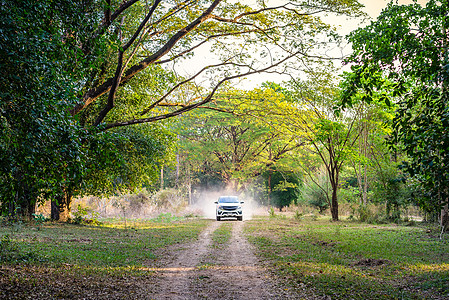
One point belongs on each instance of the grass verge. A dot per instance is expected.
(349, 260)
(66, 261)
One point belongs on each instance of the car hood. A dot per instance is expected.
(229, 204)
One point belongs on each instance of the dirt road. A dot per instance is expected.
(200, 271)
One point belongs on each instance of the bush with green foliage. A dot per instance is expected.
(271, 212)
(315, 196)
(284, 189)
(84, 215)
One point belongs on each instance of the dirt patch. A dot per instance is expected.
(371, 262)
(81, 241)
(177, 267)
(325, 243)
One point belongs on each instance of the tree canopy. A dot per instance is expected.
(402, 58)
(79, 73)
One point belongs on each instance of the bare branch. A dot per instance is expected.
(193, 106)
(93, 94)
(107, 13)
(149, 108)
(108, 21)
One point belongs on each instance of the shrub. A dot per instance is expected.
(298, 216)
(271, 212)
(85, 215)
(368, 214)
(318, 199)
(170, 199)
(364, 213)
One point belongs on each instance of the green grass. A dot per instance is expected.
(222, 235)
(112, 261)
(353, 260)
(345, 260)
(100, 247)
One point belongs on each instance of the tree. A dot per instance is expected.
(328, 135)
(45, 153)
(40, 144)
(283, 188)
(403, 56)
(226, 143)
(169, 33)
(85, 57)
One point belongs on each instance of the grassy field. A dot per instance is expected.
(351, 260)
(68, 261)
(345, 260)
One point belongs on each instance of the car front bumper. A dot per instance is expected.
(229, 213)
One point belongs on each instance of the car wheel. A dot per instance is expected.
(239, 218)
(218, 218)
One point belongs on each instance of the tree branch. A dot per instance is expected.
(93, 94)
(196, 105)
(121, 66)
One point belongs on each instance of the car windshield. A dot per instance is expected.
(228, 199)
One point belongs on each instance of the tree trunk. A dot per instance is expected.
(444, 219)
(162, 178)
(358, 174)
(24, 204)
(365, 186)
(189, 184)
(55, 209)
(363, 150)
(29, 205)
(334, 179)
(334, 203)
(269, 188)
(177, 170)
(60, 207)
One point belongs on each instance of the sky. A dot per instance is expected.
(373, 8)
(344, 26)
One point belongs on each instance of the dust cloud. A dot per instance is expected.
(204, 203)
(146, 205)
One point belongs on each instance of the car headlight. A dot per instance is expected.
(220, 207)
(239, 207)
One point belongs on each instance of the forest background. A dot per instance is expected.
(93, 104)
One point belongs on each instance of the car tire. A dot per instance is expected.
(218, 218)
(239, 218)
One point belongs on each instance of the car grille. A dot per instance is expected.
(230, 207)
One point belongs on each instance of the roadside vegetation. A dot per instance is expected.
(353, 260)
(83, 260)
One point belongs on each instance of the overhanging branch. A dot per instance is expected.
(196, 105)
(93, 94)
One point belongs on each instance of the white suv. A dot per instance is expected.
(229, 206)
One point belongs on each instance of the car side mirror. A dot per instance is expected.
(241, 202)
(216, 202)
